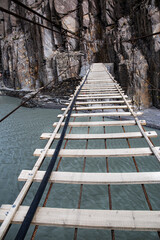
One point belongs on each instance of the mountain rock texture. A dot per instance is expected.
(32, 56)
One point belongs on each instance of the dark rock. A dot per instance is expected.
(31, 56)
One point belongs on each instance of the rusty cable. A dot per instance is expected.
(109, 186)
(137, 169)
(81, 187)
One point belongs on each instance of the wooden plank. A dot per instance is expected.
(98, 85)
(112, 93)
(102, 114)
(101, 102)
(102, 123)
(103, 93)
(96, 91)
(88, 218)
(101, 136)
(99, 107)
(96, 95)
(125, 152)
(107, 97)
(102, 88)
(95, 178)
(100, 81)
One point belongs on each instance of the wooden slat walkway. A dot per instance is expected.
(122, 152)
(101, 136)
(101, 102)
(103, 114)
(98, 108)
(102, 97)
(102, 124)
(95, 178)
(91, 219)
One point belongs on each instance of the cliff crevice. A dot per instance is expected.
(32, 56)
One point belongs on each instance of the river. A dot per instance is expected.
(20, 137)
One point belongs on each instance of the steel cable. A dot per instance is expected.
(34, 205)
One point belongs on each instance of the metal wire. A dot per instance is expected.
(50, 187)
(14, 110)
(81, 187)
(33, 207)
(41, 16)
(38, 24)
(109, 187)
(136, 166)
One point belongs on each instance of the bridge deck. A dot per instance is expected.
(100, 97)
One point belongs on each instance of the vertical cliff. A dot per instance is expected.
(32, 56)
(137, 63)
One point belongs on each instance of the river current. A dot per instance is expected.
(20, 136)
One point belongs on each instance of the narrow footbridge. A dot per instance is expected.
(99, 103)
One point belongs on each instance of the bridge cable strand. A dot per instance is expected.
(34, 205)
(41, 16)
(51, 184)
(2, 119)
(33, 22)
(76, 37)
(41, 25)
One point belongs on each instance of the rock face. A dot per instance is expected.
(137, 63)
(32, 56)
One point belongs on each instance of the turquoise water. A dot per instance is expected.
(20, 137)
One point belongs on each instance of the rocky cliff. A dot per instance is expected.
(33, 56)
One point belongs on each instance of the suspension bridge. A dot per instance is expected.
(98, 98)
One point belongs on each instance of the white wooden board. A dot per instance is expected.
(95, 178)
(122, 152)
(88, 218)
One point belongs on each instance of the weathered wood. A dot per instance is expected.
(102, 114)
(124, 152)
(95, 178)
(99, 107)
(97, 95)
(101, 102)
(102, 123)
(98, 92)
(112, 93)
(92, 219)
(103, 97)
(102, 82)
(100, 87)
(101, 90)
(101, 136)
